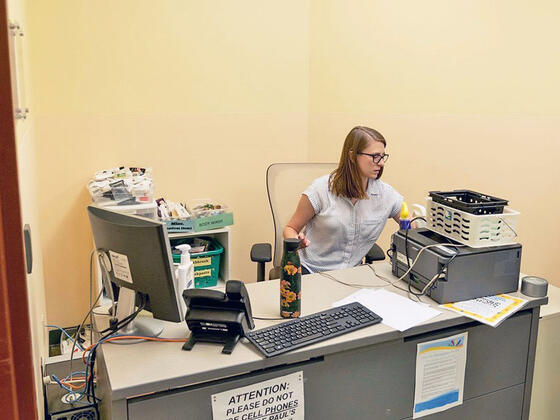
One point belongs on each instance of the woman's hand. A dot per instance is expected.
(304, 241)
(304, 213)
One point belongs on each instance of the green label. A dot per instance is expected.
(213, 222)
(203, 273)
(198, 262)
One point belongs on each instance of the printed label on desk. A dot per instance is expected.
(276, 399)
(120, 266)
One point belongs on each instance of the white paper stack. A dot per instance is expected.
(397, 311)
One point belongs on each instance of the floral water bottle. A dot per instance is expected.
(290, 281)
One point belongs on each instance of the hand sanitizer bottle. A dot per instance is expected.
(185, 273)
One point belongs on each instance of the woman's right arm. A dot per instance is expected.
(303, 214)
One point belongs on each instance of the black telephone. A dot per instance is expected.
(218, 317)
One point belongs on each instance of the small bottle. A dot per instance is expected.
(290, 281)
(404, 220)
(185, 273)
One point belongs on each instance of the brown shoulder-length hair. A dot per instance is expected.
(345, 180)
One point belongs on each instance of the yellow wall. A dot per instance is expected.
(209, 93)
(465, 92)
(205, 93)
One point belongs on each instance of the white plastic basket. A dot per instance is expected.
(148, 210)
(476, 231)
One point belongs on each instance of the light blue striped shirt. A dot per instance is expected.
(340, 233)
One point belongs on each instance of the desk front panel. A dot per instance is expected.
(505, 404)
(376, 381)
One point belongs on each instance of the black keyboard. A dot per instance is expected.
(310, 329)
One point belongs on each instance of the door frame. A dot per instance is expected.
(17, 386)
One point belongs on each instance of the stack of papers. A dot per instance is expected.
(397, 311)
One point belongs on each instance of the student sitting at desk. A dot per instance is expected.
(344, 212)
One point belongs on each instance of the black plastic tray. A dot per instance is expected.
(470, 201)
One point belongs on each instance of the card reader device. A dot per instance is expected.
(465, 272)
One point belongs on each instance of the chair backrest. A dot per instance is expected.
(285, 183)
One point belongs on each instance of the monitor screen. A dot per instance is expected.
(137, 256)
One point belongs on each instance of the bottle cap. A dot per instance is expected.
(185, 252)
(404, 211)
(291, 244)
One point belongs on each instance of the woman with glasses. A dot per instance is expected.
(343, 213)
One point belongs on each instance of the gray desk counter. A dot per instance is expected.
(365, 374)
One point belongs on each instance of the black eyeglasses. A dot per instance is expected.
(376, 157)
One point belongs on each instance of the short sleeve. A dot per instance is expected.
(395, 201)
(316, 193)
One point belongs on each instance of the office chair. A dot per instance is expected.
(285, 182)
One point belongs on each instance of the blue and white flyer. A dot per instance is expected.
(440, 375)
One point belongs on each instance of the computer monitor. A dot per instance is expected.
(134, 254)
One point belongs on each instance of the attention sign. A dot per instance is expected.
(276, 399)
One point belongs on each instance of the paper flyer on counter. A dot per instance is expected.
(440, 375)
(490, 310)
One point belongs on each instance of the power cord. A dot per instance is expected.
(355, 285)
(72, 339)
(440, 273)
(91, 307)
(392, 282)
(118, 325)
(89, 392)
(413, 263)
(406, 238)
(434, 279)
(90, 385)
(396, 286)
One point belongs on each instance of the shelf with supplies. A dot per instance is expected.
(223, 236)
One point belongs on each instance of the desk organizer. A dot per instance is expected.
(474, 230)
(206, 264)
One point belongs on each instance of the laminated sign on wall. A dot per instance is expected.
(276, 399)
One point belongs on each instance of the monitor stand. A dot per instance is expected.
(141, 325)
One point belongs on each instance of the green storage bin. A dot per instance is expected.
(206, 264)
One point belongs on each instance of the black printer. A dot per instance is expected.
(466, 273)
